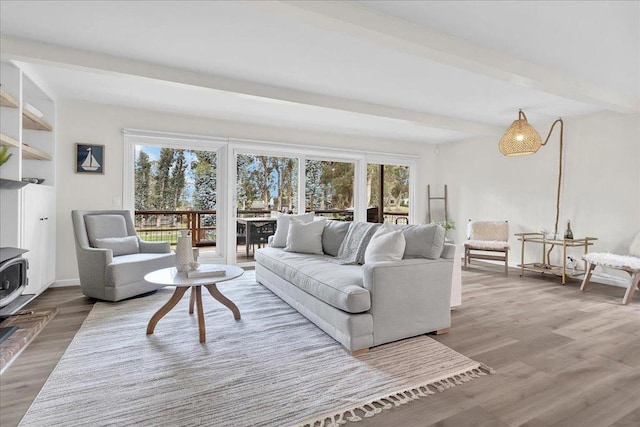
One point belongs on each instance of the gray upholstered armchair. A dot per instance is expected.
(112, 259)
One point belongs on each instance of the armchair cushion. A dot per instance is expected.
(119, 245)
(132, 268)
(104, 226)
(488, 230)
(488, 245)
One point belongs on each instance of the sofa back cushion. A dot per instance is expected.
(333, 236)
(423, 240)
(104, 226)
(282, 228)
(387, 244)
(305, 238)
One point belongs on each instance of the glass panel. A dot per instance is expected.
(266, 185)
(329, 188)
(176, 189)
(395, 193)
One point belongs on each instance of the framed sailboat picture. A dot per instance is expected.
(89, 158)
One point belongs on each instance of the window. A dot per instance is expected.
(330, 188)
(266, 183)
(175, 185)
(215, 187)
(388, 193)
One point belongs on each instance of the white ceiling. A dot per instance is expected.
(434, 71)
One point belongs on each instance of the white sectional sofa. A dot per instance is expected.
(362, 306)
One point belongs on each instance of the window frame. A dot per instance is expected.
(229, 148)
(133, 137)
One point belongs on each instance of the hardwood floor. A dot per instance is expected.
(562, 357)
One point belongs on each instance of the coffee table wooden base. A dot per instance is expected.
(194, 299)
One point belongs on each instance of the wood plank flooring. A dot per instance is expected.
(562, 357)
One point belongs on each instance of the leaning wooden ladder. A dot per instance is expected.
(429, 199)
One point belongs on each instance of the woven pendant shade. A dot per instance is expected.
(520, 139)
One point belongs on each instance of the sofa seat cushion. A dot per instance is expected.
(132, 268)
(337, 285)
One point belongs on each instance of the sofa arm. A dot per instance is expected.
(449, 251)
(154, 247)
(408, 297)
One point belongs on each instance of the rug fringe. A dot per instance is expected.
(376, 406)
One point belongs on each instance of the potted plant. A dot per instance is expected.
(447, 225)
(4, 155)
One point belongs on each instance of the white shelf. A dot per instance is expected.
(7, 100)
(28, 152)
(33, 122)
(29, 120)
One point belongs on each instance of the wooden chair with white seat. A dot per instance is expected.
(628, 263)
(487, 240)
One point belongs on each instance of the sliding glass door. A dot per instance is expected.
(177, 185)
(229, 192)
(330, 188)
(265, 186)
(388, 193)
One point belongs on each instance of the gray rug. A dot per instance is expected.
(272, 368)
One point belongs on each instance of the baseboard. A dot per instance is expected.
(64, 283)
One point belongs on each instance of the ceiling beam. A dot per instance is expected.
(375, 27)
(44, 53)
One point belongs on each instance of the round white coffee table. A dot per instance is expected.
(172, 277)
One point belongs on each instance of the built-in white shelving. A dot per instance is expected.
(27, 211)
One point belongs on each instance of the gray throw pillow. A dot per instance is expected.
(333, 235)
(305, 238)
(119, 245)
(423, 241)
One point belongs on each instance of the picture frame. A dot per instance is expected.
(89, 159)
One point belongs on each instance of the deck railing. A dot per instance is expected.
(166, 225)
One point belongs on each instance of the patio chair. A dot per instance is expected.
(628, 263)
(487, 240)
(112, 259)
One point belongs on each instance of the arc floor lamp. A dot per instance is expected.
(522, 139)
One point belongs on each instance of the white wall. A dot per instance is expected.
(601, 192)
(103, 124)
(600, 195)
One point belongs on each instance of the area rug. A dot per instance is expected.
(29, 323)
(271, 368)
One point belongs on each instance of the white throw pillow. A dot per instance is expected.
(386, 244)
(119, 245)
(282, 228)
(305, 238)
